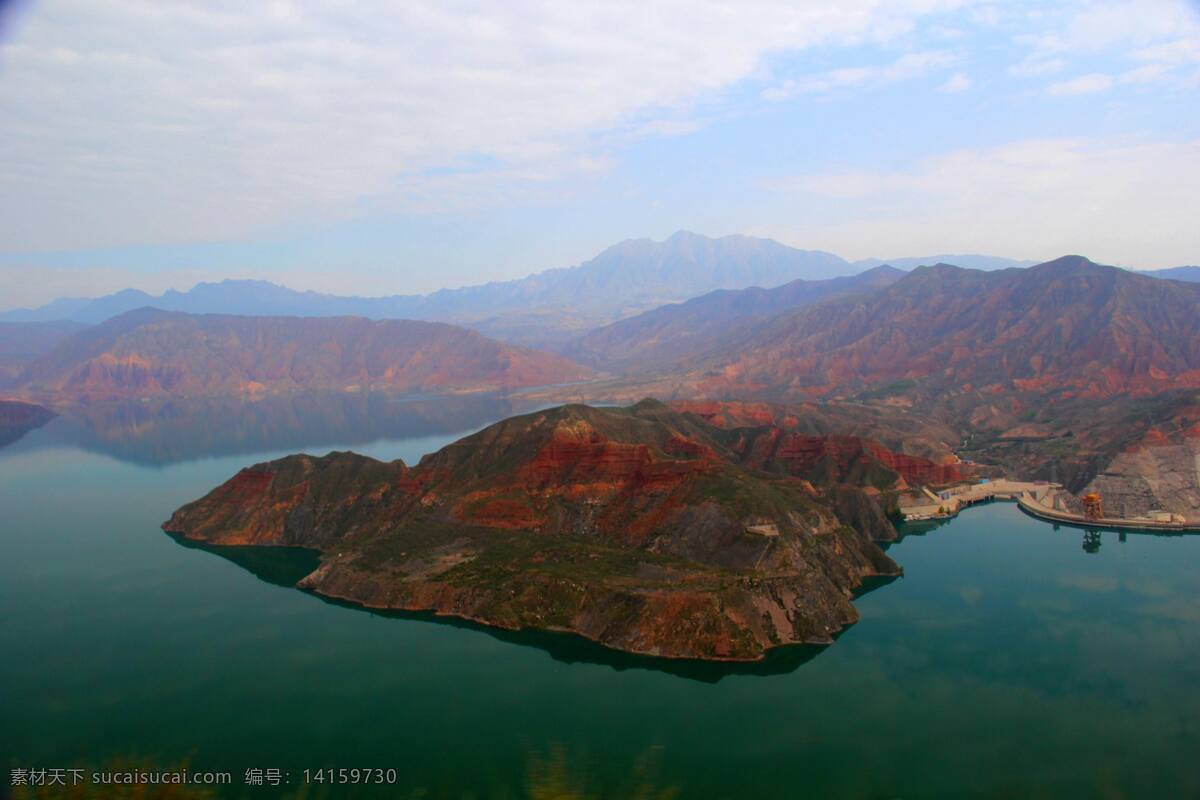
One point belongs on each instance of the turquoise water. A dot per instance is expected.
(1008, 661)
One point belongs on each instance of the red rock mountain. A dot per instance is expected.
(894, 428)
(657, 338)
(148, 353)
(644, 528)
(1068, 325)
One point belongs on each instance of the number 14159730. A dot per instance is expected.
(330, 775)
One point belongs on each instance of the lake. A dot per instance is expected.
(1013, 659)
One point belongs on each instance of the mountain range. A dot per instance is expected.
(545, 308)
(630, 276)
(1189, 274)
(658, 338)
(151, 353)
(968, 260)
(548, 308)
(1067, 325)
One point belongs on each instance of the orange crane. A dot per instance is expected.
(1093, 508)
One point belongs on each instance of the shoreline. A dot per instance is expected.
(1031, 497)
(1039, 511)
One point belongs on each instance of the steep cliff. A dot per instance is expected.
(1159, 471)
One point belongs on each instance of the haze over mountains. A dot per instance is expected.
(629, 277)
(968, 260)
(150, 353)
(543, 310)
(1189, 274)
(22, 342)
(633, 275)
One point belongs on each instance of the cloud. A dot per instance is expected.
(1036, 65)
(1116, 201)
(1159, 34)
(1145, 74)
(907, 67)
(1084, 84)
(957, 83)
(1095, 26)
(127, 122)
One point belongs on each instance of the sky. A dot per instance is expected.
(378, 147)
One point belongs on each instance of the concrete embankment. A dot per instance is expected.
(1035, 509)
(1040, 499)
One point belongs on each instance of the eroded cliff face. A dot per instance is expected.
(1139, 453)
(1160, 472)
(922, 436)
(640, 528)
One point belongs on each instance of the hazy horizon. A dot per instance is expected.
(400, 150)
(281, 280)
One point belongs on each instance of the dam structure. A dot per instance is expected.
(1041, 499)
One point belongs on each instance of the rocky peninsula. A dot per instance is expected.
(646, 529)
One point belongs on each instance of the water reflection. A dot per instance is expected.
(281, 566)
(17, 420)
(285, 566)
(915, 528)
(1091, 536)
(569, 648)
(169, 431)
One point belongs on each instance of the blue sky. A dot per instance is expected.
(378, 147)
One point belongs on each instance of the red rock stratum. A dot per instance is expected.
(643, 528)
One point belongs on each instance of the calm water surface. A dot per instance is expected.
(1008, 661)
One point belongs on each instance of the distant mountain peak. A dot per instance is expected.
(1068, 263)
(965, 260)
(126, 293)
(940, 271)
